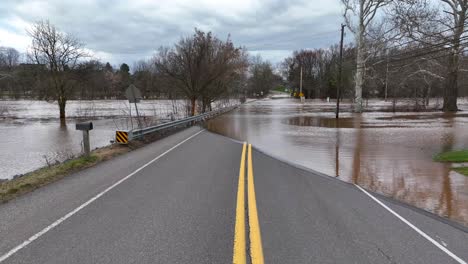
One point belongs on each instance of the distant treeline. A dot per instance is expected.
(201, 68)
(413, 49)
(420, 78)
(93, 79)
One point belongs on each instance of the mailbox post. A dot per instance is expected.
(85, 127)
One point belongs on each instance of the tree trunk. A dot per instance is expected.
(360, 64)
(193, 102)
(62, 102)
(451, 82)
(428, 94)
(451, 85)
(357, 149)
(203, 105)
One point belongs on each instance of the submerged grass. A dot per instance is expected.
(462, 170)
(455, 157)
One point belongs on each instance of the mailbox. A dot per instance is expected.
(84, 126)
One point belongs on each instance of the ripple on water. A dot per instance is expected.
(383, 152)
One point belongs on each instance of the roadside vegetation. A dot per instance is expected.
(52, 172)
(280, 89)
(453, 156)
(459, 156)
(10, 189)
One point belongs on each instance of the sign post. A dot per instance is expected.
(133, 95)
(85, 127)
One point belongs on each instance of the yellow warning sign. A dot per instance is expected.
(121, 137)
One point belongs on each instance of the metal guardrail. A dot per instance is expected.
(124, 136)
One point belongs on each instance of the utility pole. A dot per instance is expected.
(300, 83)
(340, 74)
(300, 88)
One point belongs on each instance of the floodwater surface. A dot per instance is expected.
(387, 153)
(32, 134)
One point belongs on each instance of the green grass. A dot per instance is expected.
(33, 180)
(280, 89)
(452, 156)
(461, 170)
(10, 189)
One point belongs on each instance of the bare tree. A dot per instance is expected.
(60, 53)
(9, 58)
(444, 24)
(365, 11)
(457, 13)
(262, 78)
(227, 85)
(196, 63)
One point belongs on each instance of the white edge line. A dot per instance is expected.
(426, 236)
(70, 214)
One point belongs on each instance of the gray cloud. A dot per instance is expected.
(127, 31)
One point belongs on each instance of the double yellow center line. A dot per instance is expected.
(256, 251)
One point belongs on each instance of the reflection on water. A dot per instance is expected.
(27, 144)
(320, 121)
(384, 152)
(31, 130)
(377, 122)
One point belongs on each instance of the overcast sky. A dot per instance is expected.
(127, 31)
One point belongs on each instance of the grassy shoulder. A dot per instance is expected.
(454, 157)
(46, 175)
(31, 181)
(280, 89)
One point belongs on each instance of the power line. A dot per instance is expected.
(419, 55)
(425, 51)
(407, 64)
(430, 51)
(436, 45)
(420, 41)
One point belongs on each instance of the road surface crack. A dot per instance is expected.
(389, 258)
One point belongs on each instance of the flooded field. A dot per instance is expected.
(27, 144)
(387, 153)
(32, 134)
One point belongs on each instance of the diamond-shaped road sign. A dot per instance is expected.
(133, 94)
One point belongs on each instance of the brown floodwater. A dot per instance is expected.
(384, 152)
(32, 134)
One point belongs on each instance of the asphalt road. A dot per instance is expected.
(176, 201)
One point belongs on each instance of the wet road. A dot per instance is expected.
(387, 153)
(152, 206)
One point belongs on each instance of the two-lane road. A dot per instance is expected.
(191, 197)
